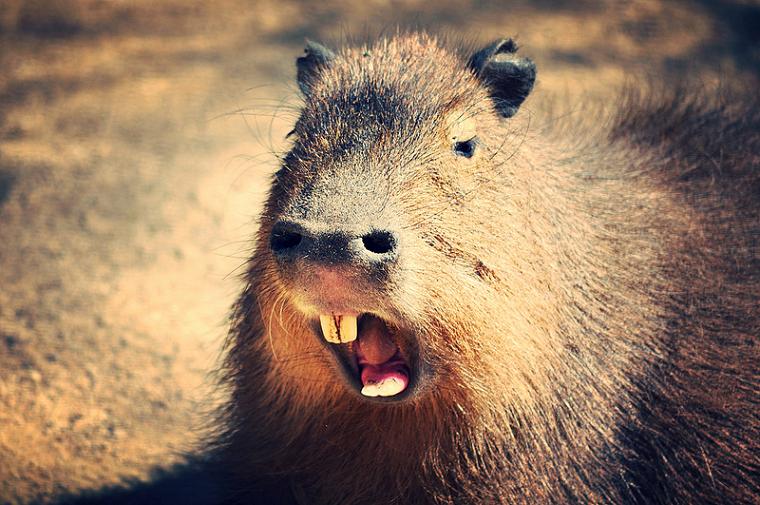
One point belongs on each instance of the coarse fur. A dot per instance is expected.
(585, 298)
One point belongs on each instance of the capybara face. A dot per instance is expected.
(371, 239)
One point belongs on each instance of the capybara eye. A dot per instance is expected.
(465, 148)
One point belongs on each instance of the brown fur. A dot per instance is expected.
(588, 298)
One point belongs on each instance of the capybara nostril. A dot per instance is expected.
(285, 238)
(379, 241)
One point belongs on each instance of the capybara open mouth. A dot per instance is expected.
(367, 349)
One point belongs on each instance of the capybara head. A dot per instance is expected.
(374, 235)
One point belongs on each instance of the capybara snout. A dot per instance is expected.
(292, 241)
(328, 267)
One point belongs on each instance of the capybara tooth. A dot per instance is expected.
(371, 390)
(347, 328)
(329, 328)
(390, 387)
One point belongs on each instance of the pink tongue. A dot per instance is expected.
(372, 374)
(377, 355)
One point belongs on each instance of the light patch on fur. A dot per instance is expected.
(461, 126)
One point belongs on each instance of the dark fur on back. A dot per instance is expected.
(697, 430)
(592, 300)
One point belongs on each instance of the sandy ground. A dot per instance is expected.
(136, 140)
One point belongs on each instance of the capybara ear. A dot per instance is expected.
(509, 78)
(315, 58)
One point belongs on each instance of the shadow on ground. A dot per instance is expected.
(197, 484)
(190, 485)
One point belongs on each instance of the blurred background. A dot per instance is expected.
(136, 141)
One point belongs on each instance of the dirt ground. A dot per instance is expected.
(136, 141)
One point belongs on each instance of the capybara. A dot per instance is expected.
(454, 299)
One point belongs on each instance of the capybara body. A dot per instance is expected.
(454, 300)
